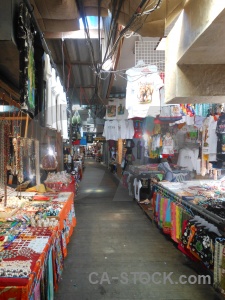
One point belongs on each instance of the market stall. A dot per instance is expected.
(192, 214)
(34, 244)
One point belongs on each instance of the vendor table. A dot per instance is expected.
(153, 169)
(195, 195)
(192, 213)
(33, 261)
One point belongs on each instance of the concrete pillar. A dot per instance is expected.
(195, 54)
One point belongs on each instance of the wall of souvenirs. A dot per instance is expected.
(189, 136)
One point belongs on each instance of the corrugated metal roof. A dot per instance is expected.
(74, 63)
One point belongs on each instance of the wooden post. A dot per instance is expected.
(26, 126)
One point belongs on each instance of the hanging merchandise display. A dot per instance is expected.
(4, 160)
(111, 129)
(49, 162)
(47, 93)
(142, 93)
(139, 150)
(220, 130)
(129, 157)
(116, 110)
(76, 119)
(54, 108)
(111, 112)
(138, 125)
(76, 128)
(170, 113)
(118, 129)
(27, 65)
(24, 159)
(167, 144)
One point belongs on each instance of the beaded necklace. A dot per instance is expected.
(2, 140)
(20, 176)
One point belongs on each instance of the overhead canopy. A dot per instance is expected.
(73, 59)
(63, 15)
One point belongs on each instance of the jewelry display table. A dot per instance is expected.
(31, 257)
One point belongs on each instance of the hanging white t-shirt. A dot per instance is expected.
(48, 95)
(199, 121)
(137, 187)
(121, 129)
(188, 158)
(129, 130)
(190, 120)
(61, 114)
(168, 145)
(55, 92)
(64, 121)
(212, 136)
(51, 100)
(58, 109)
(142, 93)
(110, 131)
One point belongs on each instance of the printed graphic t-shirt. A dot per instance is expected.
(142, 93)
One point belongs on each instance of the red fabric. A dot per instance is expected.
(20, 288)
(63, 216)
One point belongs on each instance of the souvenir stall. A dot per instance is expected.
(191, 213)
(35, 223)
(34, 244)
(37, 214)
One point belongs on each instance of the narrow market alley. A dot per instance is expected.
(117, 252)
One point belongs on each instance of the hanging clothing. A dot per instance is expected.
(142, 92)
(168, 144)
(111, 130)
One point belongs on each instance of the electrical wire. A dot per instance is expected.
(116, 7)
(81, 10)
(154, 8)
(135, 19)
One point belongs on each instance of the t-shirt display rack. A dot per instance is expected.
(192, 208)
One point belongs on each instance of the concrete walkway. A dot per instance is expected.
(117, 253)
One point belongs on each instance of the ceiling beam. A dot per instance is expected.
(89, 63)
(65, 50)
(85, 87)
(5, 97)
(9, 90)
